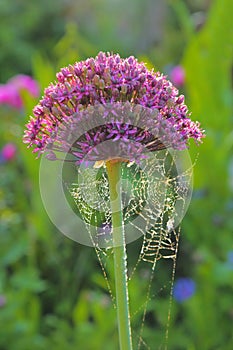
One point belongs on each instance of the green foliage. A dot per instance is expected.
(27, 27)
(208, 224)
(208, 61)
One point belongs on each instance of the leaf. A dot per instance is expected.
(16, 252)
(28, 279)
(207, 62)
(182, 12)
(43, 70)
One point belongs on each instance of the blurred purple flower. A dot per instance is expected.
(25, 82)
(2, 300)
(230, 260)
(177, 76)
(8, 152)
(110, 79)
(2, 160)
(10, 92)
(183, 289)
(10, 96)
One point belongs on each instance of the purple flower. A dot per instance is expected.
(117, 92)
(183, 289)
(10, 96)
(22, 81)
(8, 152)
(230, 260)
(177, 75)
(2, 300)
(10, 92)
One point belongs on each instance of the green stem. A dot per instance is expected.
(120, 257)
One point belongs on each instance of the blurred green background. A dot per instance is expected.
(52, 291)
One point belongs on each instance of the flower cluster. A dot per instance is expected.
(109, 80)
(10, 92)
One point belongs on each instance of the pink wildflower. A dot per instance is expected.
(10, 92)
(8, 151)
(177, 76)
(25, 82)
(10, 96)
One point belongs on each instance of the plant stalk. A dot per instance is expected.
(120, 257)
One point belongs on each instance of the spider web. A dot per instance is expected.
(155, 195)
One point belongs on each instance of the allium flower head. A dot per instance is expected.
(184, 288)
(112, 97)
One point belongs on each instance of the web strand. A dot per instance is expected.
(154, 197)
